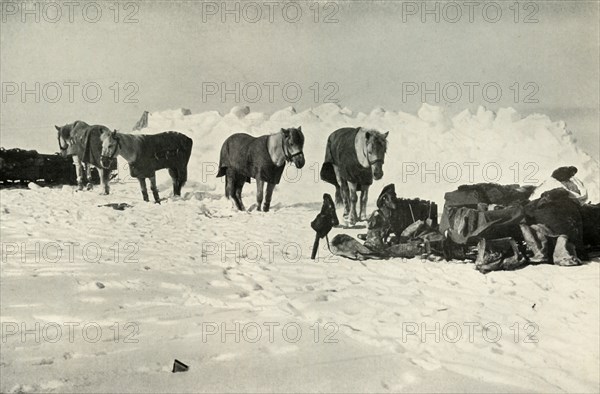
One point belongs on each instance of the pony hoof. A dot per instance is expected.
(89, 186)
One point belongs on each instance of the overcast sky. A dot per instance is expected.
(371, 54)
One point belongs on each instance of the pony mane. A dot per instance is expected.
(65, 131)
(297, 136)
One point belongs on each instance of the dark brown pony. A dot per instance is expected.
(82, 142)
(147, 153)
(262, 158)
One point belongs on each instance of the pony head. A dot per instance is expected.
(110, 147)
(64, 136)
(376, 146)
(293, 143)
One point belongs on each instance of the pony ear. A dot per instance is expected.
(57, 128)
(286, 132)
(368, 134)
(113, 134)
(386, 134)
(299, 128)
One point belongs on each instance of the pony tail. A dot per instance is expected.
(182, 172)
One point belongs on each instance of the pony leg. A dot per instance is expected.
(230, 188)
(78, 171)
(88, 176)
(343, 188)
(104, 179)
(143, 187)
(353, 200)
(175, 178)
(260, 185)
(104, 175)
(239, 185)
(179, 177)
(154, 189)
(268, 195)
(364, 196)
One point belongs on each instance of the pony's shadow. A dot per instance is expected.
(309, 205)
(274, 208)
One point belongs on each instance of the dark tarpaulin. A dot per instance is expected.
(249, 156)
(169, 149)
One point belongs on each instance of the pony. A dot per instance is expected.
(262, 158)
(146, 154)
(353, 158)
(82, 142)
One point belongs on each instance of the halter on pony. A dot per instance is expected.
(289, 157)
(60, 144)
(112, 156)
(371, 163)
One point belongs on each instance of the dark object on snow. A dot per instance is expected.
(590, 216)
(498, 254)
(119, 206)
(178, 366)
(471, 225)
(399, 213)
(24, 166)
(346, 246)
(323, 223)
(378, 229)
(484, 210)
(563, 174)
(402, 212)
(555, 221)
(262, 158)
(398, 228)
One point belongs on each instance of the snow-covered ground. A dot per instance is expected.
(118, 295)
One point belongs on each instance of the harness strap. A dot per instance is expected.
(60, 144)
(371, 163)
(287, 156)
